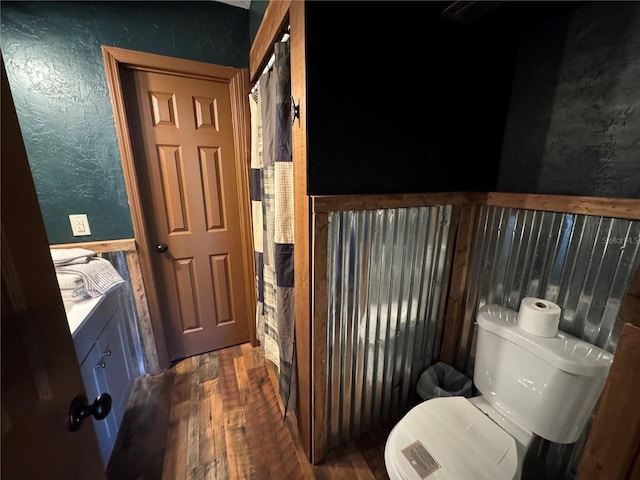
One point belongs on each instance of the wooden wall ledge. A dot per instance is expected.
(602, 206)
(628, 208)
(340, 203)
(124, 245)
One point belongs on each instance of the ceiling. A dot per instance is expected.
(237, 3)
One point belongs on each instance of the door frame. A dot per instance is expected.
(115, 59)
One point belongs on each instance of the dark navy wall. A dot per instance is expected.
(402, 100)
(540, 97)
(56, 72)
(574, 119)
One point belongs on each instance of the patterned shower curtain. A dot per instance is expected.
(272, 211)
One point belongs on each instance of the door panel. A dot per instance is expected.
(185, 157)
(222, 297)
(210, 175)
(40, 371)
(173, 188)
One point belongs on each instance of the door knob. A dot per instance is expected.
(79, 410)
(162, 247)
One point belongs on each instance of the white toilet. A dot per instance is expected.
(529, 386)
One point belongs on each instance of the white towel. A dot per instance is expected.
(67, 256)
(99, 276)
(69, 303)
(68, 280)
(72, 293)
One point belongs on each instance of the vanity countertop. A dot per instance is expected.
(78, 314)
(80, 311)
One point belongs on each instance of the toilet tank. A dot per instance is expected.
(548, 386)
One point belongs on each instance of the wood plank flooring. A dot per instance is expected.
(218, 416)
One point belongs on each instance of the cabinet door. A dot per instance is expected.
(114, 351)
(93, 371)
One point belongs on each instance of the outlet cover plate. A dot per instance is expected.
(79, 225)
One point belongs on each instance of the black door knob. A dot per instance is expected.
(79, 410)
(162, 247)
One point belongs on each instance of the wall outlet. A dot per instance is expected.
(79, 225)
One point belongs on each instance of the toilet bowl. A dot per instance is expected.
(529, 386)
(455, 438)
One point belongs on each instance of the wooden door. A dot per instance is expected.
(185, 158)
(40, 372)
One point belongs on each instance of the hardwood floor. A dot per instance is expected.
(217, 416)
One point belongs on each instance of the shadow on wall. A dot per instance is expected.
(574, 106)
(533, 93)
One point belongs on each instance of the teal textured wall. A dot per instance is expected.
(52, 52)
(256, 13)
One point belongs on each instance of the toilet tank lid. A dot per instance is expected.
(563, 351)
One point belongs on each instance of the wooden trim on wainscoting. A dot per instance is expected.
(338, 203)
(302, 233)
(630, 306)
(270, 31)
(114, 60)
(239, 87)
(105, 246)
(602, 206)
(454, 313)
(147, 331)
(613, 445)
(320, 303)
(628, 208)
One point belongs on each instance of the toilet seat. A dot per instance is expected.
(449, 438)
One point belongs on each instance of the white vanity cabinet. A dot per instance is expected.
(101, 342)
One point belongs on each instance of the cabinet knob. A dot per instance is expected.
(79, 410)
(101, 364)
(162, 247)
(107, 352)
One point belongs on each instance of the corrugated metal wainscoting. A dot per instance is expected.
(127, 302)
(388, 272)
(583, 263)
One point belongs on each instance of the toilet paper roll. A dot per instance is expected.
(539, 316)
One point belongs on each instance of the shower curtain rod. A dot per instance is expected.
(272, 60)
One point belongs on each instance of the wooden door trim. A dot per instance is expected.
(241, 118)
(307, 346)
(270, 31)
(117, 58)
(274, 21)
